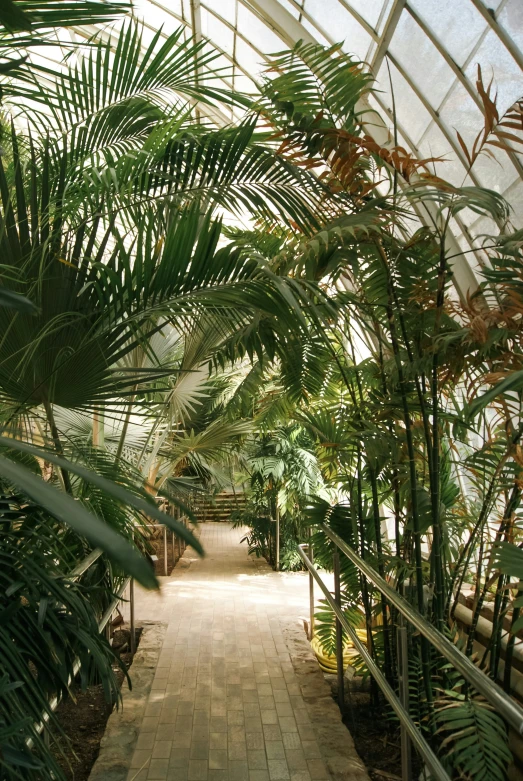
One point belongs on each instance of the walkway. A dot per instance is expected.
(225, 702)
(228, 702)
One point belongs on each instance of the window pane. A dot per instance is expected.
(224, 8)
(340, 25)
(410, 110)
(421, 60)
(456, 23)
(370, 10)
(258, 32)
(218, 33)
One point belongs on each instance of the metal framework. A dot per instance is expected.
(305, 20)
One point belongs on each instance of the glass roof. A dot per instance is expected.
(424, 54)
(426, 50)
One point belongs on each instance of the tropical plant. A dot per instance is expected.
(147, 349)
(424, 469)
(118, 298)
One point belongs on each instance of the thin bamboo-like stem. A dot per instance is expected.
(502, 532)
(467, 551)
(363, 581)
(381, 570)
(509, 652)
(57, 443)
(435, 456)
(425, 649)
(497, 630)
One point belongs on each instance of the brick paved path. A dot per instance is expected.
(225, 704)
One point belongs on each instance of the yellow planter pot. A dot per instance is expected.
(327, 662)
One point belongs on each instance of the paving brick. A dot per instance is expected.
(162, 749)
(275, 749)
(278, 770)
(198, 770)
(225, 703)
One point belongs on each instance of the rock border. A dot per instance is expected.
(123, 727)
(335, 741)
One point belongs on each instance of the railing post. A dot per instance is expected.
(178, 539)
(165, 562)
(339, 630)
(406, 764)
(311, 587)
(132, 643)
(277, 539)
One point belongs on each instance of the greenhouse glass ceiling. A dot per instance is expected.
(424, 54)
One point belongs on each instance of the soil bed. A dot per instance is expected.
(377, 740)
(84, 721)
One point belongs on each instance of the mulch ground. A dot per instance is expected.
(84, 721)
(377, 739)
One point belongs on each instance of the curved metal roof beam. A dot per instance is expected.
(387, 34)
(490, 17)
(280, 21)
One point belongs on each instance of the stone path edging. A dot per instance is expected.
(123, 727)
(334, 739)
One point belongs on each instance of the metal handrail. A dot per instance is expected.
(181, 543)
(433, 763)
(500, 700)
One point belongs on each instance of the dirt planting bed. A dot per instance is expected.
(84, 721)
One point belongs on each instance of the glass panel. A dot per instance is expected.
(223, 67)
(514, 196)
(156, 17)
(314, 32)
(461, 114)
(258, 32)
(142, 8)
(373, 122)
(369, 9)
(434, 144)
(340, 25)
(497, 62)
(217, 32)
(480, 227)
(243, 84)
(411, 113)
(186, 10)
(456, 23)
(421, 60)
(511, 19)
(224, 8)
(250, 61)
